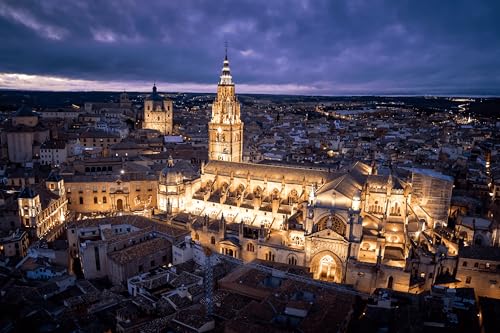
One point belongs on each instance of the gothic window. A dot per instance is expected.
(292, 260)
(332, 222)
(376, 208)
(396, 210)
(275, 194)
(293, 197)
(269, 256)
(250, 247)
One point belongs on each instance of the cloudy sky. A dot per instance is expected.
(330, 47)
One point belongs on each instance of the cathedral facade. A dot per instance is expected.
(158, 113)
(349, 226)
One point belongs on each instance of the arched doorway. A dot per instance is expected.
(119, 204)
(327, 266)
(390, 282)
(326, 269)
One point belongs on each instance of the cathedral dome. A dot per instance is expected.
(155, 96)
(176, 173)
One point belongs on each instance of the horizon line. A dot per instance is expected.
(33, 82)
(258, 93)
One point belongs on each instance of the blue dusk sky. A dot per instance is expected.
(312, 47)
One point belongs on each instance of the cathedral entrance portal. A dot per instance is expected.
(119, 204)
(327, 266)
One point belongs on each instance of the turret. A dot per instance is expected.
(222, 227)
(55, 184)
(309, 220)
(205, 224)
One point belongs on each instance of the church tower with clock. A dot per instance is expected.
(225, 129)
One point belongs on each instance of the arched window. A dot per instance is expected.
(269, 256)
(212, 240)
(390, 282)
(95, 200)
(104, 200)
(81, 200)
(292, 260)
(250, 247)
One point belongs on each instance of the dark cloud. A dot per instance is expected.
(327, 47)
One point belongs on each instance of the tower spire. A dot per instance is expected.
(225, 128)
(226, 78)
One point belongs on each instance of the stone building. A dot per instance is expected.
(121, 247)
(479, 268)
(53, 153)
(25, 136)
(102, 193)
(43, 208)
(158, 113)
(14, 245)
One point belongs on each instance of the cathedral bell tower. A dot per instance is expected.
(225, 129)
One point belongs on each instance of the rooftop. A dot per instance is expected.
(134, 252)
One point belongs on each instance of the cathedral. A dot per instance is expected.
(350, 226)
